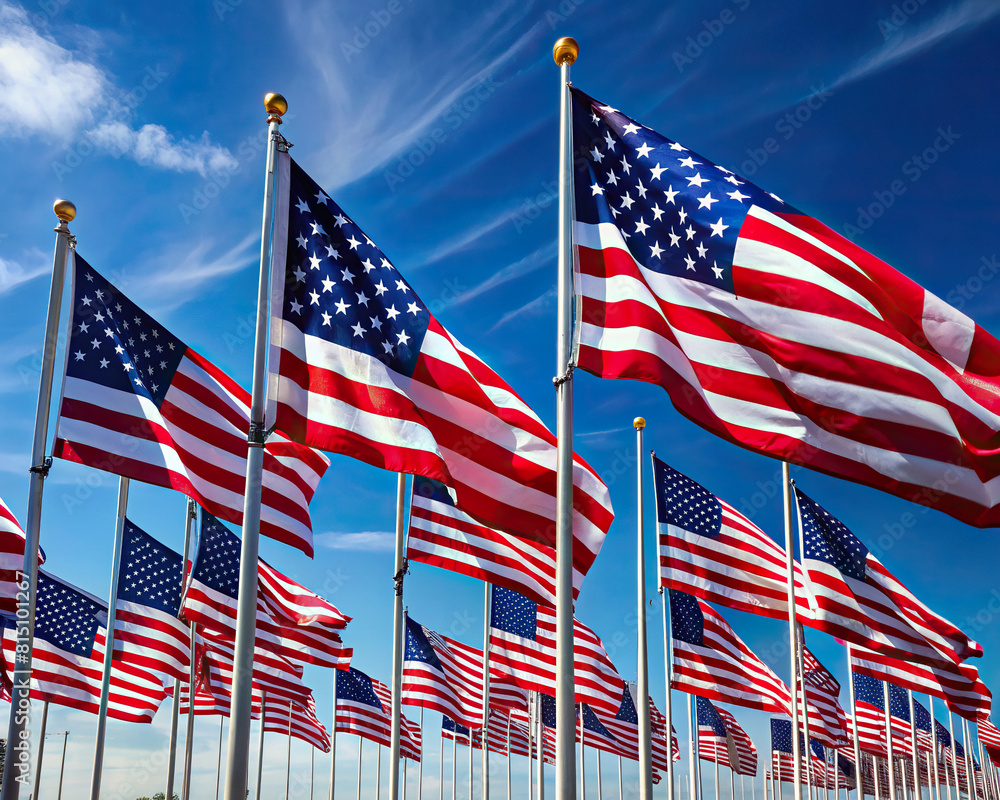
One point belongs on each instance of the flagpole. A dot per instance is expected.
(836, 775)
(718, 793)
(621, 785)
(583, 761)
(860, 787)
(913, 748)
(565, 52)
(531, 745)
(260, 742)
(970, 762)
(800, 643)
(378, 769)
(361, 745)
(786, 482)
(932, 763)
(420, 763)
(333, 738)
(312, 770)
(403, 779)
(65, 212)
(600, 791)
(189, 513)
(62, 765)
(109, 644)
(891, 763)
(642, 656)
(288, 753)
(469, 729)
(397, 637)
(454, 765)
(540, 738)
(218, 764)
(41, 749)
(954, 755)
(667, 705)
(509, 793)
(238, 757)
(692, 752)
(486, 692)
(732, 783)
(189, 731)
(441, 768)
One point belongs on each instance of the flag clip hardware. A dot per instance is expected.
(43, 468)
(567, 375)
(398, 577)
(282, 144)
(256, 436)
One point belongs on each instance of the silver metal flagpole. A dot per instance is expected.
(454, 765)
(583, 761)
(801, 686)
(891, 763)
(913, 748)
(378, 770)
(486, 693)
(403, 779)
(600, 791)
(469, 729)
(189, 732)
(668, 710)
(189, 514)
(718, 793)
(509, 792)
(878, 787)
(361, 744)
(692, 749)
(238, 756)
(621, 784)
(642, 656)
(441, 770)
(260, 742)
(854, 727)
(62, 765)
(954, 760)
(109, 645)
(970, 761)
(218, 763)
(312, 770)
(932, 763)
(288, 755)
(540, 738)
(786, 482)
(420, 763)
(397, 638)
(20, 703)
(41, 749)
(564, 53)
(531, 745)
(333, 739)
(732, 783)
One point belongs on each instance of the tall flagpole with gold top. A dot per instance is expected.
(238, 753)
(564, 53)
(20, 703)
(642, 659)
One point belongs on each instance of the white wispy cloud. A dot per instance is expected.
(367, 541)
(536, 306)
(913, 37)
(60, 96)
(13, 274)
(531, 262)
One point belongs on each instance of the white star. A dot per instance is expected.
(314, 298)
(697, 180)
(362, 298)
(342, 307)
(79, 355)
(718, 228)
(690, 232)
(658, 171)
(640, 226)
(313, 262)
(702, 250)
(321, 197)
(717, 270)
(333, 253)
(380, 289)
(657, 212)
(676, 146)
(376, 323)
(630, 128)
(597, 154)
(326, 318)
(689, 261)
(644, 150)
(296, 306)
(402, 287)
(732, 180)
(706, 201)
(347, 275)
(300, 276)
(656, 250)
(688, 162)
(612, 178)
(391, 312)
(627, 201)
(671, 193)
(368, 265)
(413, 308)
(84, 327)
(610, 141)
(641, 189)
(327, 285)
(626, 167)
(302, 206)
(402, 338)
(776, 197)
(318, 229)
(683, 215)
(358, 330)
(596, 189)
(353, 243)
(738, 196)
(387, 347)
(341, 220)
(86, 300)
(386, 264)
(302, 241)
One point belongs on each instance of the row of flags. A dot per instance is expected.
(764, 327)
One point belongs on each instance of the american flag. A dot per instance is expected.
(523, 644)
(497, 733)
(519, 738)
(361, 367)
(296, 720)
(67, 667)
(444, 536)
(11, 559)
(990, 737)
(782, 758)
(443, 675)
(147, 630)
(958, 685)
(363, 706)
(771, 330)
(624, 727)
(857, 599)
(827, 718)
(869, 703)
(717, 727)
(710, 550)
(283, 626)
(710, 660)
(139, 402)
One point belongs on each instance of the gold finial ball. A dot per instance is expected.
(275, 104)
(64, 210)
(565, 50)
(639, 423)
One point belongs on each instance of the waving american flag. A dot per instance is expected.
(771, 330)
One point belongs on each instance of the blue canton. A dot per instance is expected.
(828, 539)
(115, 343)
(679, 213)
(217, 563)
(340, 287)
(626, 711)
(682, 502)
(548, 705)
(448, 724)
(923, 717)
(431, 490)
(418, 648)
(687, 623)
(593, 724)
(514, 613)
(67, 618)
(356, 686)
(709, 717)
(781, 736)
(868, 690)
(151, 574)
(899, 703)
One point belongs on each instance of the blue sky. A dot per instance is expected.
(434, 124)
